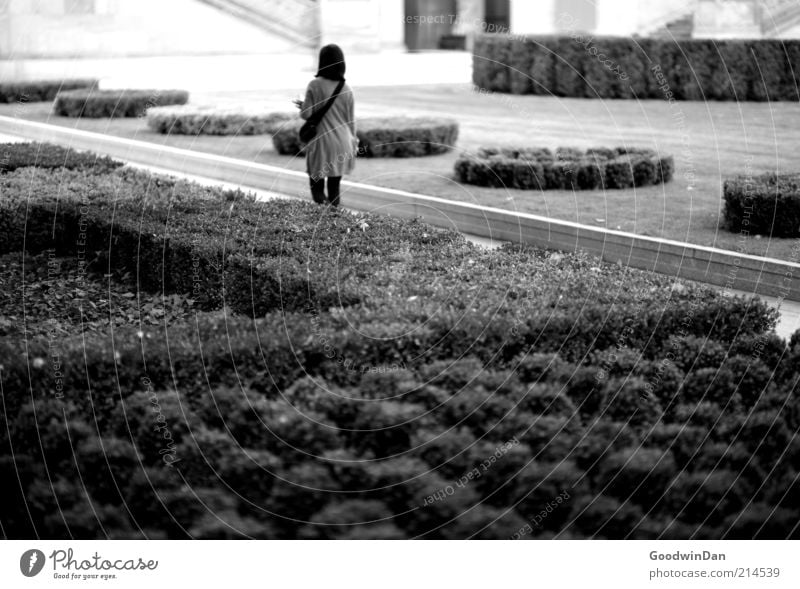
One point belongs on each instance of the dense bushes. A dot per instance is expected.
(406, 136)
(40, 90)
(460, 394)
(768, 204)
(167, 243)
(286, 140)
(385, 137)
(567, 169)
(170, 232)
(114, 103)
(47, 155)
(198, 120)
(696, 69)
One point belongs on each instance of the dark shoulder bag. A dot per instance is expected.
(309, 129)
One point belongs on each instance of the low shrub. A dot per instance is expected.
(406, 136)
(619, 173)
(691, 69)
(114, 103)
(210, 120)
(50, 156)
(41, 90)
(286, 140)
(768, 204)
(568, 169)
(385, 137)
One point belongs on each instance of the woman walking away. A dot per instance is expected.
(330, 128)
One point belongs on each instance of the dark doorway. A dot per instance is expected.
(497, 14)
(427, 21)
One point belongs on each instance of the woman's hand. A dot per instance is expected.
(298, 103)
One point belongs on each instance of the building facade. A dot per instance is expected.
(68, 29)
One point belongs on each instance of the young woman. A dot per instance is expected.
(332, 152)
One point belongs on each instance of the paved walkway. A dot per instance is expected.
(215, 73)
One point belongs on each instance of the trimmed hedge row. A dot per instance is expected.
(165, 235)
(406, 136)
(421, 428)
(647, 404)
(50, 156)
(385, 137)
(169, 232)
(255, 398)
(41, 90)
(694, 69)
(768, 204)
(210, 120)
(114, 103)
(566, 169)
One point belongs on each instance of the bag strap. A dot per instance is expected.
(317, 116)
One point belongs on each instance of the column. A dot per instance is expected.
(392, 29)
(470, 16)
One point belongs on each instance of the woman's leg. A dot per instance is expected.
(333, 190)
(317, 189)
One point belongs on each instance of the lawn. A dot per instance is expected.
(710, 141)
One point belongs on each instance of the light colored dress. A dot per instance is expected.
(333, 151)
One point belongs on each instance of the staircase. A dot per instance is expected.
(778, 16)
(294, 20)
(679, 28)
(673, 21)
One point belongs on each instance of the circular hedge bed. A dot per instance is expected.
(385, 137)
(538, 168)
(114, 103)
(211, 120)
(41, 90)
(768, 204)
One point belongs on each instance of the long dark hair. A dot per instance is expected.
(331, 63)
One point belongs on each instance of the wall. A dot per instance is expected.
(532, 18)
(354, 25)
(392, 31)
(617, 17)
(602, 17)
(731, 19)
(121, 28)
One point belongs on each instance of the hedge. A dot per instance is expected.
(210, 120)
(242, 412)
(695, 69)
(41, 90)
(286, 140)
(646, 404)
(157, 226)
(406, 136)
(768, 204)
(385, 137)
(567, 169)
(154, 235)
(114, 103)
(47, 155)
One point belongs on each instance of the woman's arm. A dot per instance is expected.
(307, 108)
